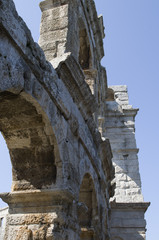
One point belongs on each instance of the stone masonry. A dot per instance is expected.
(128, 206)
(70, 137)
(3, 215)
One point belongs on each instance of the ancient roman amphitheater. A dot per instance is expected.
(70, 136)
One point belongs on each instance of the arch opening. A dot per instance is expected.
(110, 95)
(5, 169)
(30, 145)
(88, 211)
(85, 58)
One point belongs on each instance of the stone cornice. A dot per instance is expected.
(130, 206)
(129, 112)
(136, 150)
(44, 197)
(3, 209)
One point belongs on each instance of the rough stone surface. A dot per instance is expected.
(120, 129)
(55, 119)
(3, 215)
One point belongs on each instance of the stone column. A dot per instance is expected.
(45, 215)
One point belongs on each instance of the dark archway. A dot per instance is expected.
(88, 210)
(85, 58)
(30, 143)
(110, 95)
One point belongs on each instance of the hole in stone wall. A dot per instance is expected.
(5, 169)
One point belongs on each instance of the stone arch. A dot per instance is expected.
(110, 95)
(30, 140)
(88, 208)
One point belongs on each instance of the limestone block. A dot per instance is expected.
(54, 13)
(55, 35)
(11, 68)
(119, 88)
(113, 106)
(121, 96)
(52, 24)
(126, 223)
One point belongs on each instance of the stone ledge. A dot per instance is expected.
(120, 110)
(37, 197)
(135, 150)
(130, 206)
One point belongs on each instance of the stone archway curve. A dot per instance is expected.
(88, 208)
(30, 140)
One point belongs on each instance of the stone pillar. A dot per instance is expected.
(59, 30)
(41, 215)
(128, 203)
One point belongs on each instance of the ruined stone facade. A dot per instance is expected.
(65, 129)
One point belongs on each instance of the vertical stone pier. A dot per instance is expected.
(128, 206)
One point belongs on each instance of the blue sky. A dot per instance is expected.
(131, 58)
